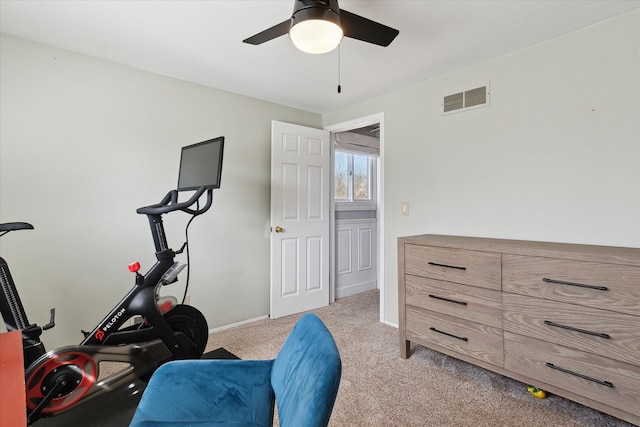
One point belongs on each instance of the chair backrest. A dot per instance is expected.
(306, 375)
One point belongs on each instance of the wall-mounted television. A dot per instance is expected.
(201, 165)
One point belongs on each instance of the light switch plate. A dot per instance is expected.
(404, 208)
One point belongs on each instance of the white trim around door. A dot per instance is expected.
(342, 127)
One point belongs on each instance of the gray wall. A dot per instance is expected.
(555, 157)
(84, 142)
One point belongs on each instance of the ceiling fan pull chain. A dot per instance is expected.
(339, 86)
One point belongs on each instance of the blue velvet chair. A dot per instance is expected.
(303, 381)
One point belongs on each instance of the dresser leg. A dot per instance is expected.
(405, 349)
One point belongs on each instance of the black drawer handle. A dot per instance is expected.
(447, 299)
(566, 371)
(580, 285)
(447, 266)
(448, 334)
(571, 328)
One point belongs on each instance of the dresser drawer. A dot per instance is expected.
(481, 269)
(604, 380)
(601, 332)
(466, 302)
(598, 285)
(472, 339)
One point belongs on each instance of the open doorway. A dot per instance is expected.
(357, 207)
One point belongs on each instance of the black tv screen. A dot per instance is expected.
(201, 165)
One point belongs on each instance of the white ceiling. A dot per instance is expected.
(201, 41)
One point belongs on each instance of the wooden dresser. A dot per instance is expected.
(562, 317)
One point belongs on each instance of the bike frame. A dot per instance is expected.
(141, 300)
(66, 376)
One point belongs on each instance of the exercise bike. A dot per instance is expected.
(60, 379)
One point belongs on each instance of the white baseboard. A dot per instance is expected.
(233, 325)
(347, 291)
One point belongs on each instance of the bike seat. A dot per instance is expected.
(12, 226)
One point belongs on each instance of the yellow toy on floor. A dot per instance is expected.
(540, 394)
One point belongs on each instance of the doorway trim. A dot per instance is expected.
(377, 118)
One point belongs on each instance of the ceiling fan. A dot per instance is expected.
(318, 26)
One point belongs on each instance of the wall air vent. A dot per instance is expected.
(454, 102)
(472, 98)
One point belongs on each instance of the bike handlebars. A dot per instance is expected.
(170, 203)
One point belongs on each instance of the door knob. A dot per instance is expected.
(279, 229)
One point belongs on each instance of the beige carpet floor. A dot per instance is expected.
(378, 388)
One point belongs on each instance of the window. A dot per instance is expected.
(353, 177)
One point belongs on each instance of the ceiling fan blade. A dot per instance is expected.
(270, 33)
(360, 28)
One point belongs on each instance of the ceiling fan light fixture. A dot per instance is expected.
(316, 29)
(329, 24)
(316, 36)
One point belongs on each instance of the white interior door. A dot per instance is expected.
(300, 184)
